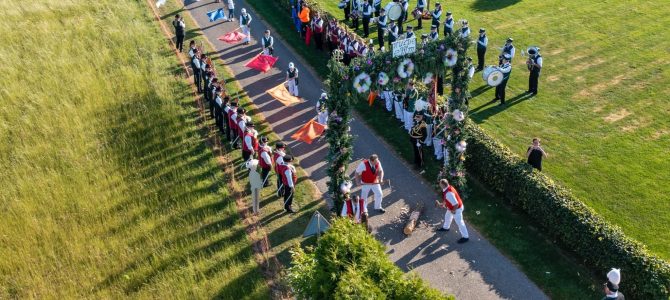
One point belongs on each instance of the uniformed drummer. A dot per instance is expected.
(378, 7)
(507, 49)
(367, 16)
(420, 6)
(448, 24)
(382, 22)
(506, 69)
(482, 44)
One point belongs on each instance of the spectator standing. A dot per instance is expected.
(535, 153)
(231, 10)
(179, 31)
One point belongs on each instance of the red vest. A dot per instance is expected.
(232, 122)
(261, 161)
(276, 156)
(282, 171)
(368, 176)
(239, 129)
(254, 142)
(350, 207)
(458, 198)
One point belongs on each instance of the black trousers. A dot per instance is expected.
(481, 57)
(288, 197)
(225, 123)
(403, 17)
(354, 23)
(440, 85)
(279, 183)
(418, 153)
(318, 40)
(366, 26)
(265, 174)
(447, 31)
(380, 36)
(419, 20)
(532, 81)
(197, 78)
(218, 116)
(500, 91)
(203, 80)
(245, 154)
(303, 29)
(347, 11)
(180, 42)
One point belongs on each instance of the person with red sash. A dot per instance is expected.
(289, 179)
(370, 175)
(250, 142)
(278, 158)
(454, 205)
(232, 123)
(265, 160)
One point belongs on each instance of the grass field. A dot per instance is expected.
(109, 189)
(602, 112)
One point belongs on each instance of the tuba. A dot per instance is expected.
(532, 51)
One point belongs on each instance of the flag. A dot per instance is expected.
(309, 132)
(232, 37)
(262, 62)
(216, 15)
(371, 97)
(296, 20)
(282, 95)
(160, 3)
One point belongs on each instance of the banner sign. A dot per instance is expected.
(403, 47)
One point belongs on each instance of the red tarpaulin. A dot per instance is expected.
(262, 62)
(232, 37)
(309, 132)
(308, 35)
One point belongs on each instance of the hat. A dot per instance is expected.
(482, 30)
(409, 27)
(532, 50)
(288, 158)
(509, 39)
(324, 95)
(507, 56)
(382, 10)
(250, 125)
(280, 145)
(291, 65)
(614, 276)
(244, 11)
(448, 13)
(433, 27)
(234, 104)
(424, 35)
(264, 139)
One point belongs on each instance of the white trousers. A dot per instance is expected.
(408, 120)
(255, 198)
(322, 118)
(245, 30)
(388, 97)
(292, 88)
(437, 145)
(376, 190)
(398, 110)
(448, 217)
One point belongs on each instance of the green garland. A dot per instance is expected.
(428, 58)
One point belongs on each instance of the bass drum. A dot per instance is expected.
(393, 10)
(492, 76)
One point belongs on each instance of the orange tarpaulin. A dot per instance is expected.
(232, 37)
(309, 132)
(262, 62)
(282, 95)
(371, 97)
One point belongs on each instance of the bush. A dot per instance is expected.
(348, 263)
(600, 244)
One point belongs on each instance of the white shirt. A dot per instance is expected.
(539, 61)
(248, 142)
(437, 14)
(271, 41)
(448, 24)
(242, 123)
(368, 10)
(485, 42)
(248, 17)
(288, 173)
(451, 198)
(280, 159)
(471, 71)
(464, 34)
(218, 100)
(505, 68)
(361, 167)
(231, 4)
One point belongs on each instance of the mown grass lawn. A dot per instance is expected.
(602, 112)
(109, 189)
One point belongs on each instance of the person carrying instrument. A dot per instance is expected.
(454, 205)
(437, 14)
(382, 20)
(367, 15)
(506, 69)
(534, 64)
(370, 175)
(355, 13)
(404, 4)
(179, 29)
(245, 25)
(449, 24)
(482, 44)
(507, 49)
(418, 12)
(268, 43)
(418, 134)
(292, 79)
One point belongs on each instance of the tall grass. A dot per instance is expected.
(108, 188)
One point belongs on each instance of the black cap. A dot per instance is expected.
(288, 158)
(448, 13)
(433, 26)
(250, 125)
(280, 145)
(409, 27)
(424, 35)
(264, 139)
(234, 104)
(482, 30)
(509, 39)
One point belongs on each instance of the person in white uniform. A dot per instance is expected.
(370, 174)
(321, 110)
(454, 205)
(245, 23)
(292, 79)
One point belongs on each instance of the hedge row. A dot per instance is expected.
(349, 263)
(600, 244)
(564, 217)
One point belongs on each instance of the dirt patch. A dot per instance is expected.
(579, 79)
(617, 116)
(589, 64)
(556, 52)
(553, 78)
(603, 85)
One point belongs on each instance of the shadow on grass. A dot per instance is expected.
(491, 5)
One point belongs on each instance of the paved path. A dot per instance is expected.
(475, 270)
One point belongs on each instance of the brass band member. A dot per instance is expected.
(534, 64)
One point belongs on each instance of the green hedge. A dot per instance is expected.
(600, 244)
(349, 263)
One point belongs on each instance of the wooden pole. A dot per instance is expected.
(413, 220)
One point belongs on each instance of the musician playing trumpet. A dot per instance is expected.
(534, 64)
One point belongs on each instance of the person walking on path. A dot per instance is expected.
(265, 160)
(255, 183)
(370, 175)
(454, 205)
(535, 153)
(231, 10)
(245, 25)
(288, 178)
(179, 31)
(292, 79)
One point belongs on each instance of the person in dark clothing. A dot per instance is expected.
(179, 31)
(535, 153)
(418, 135)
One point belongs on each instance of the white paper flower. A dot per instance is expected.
(458, 115)
(362, 83)
(450, 58)
(428, 78)
(383, 79)
(420, 105)
(460, 146)
(406, 68)
(345, 187)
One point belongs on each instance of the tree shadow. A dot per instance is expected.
(491, 5)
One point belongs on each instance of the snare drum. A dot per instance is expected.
(492, 76)
(393, 10)
(416, 13)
